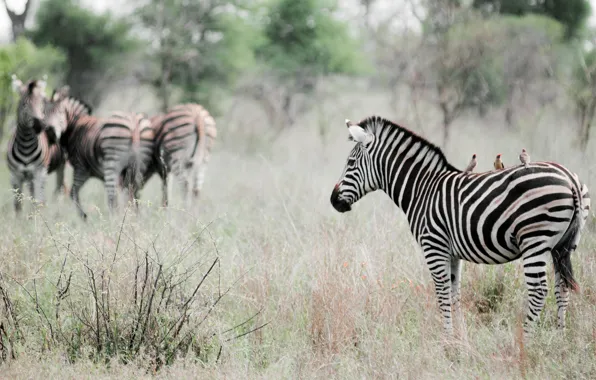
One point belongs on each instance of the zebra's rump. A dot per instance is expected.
(185, 132)
(489, 217)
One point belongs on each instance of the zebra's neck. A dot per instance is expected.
(409, 168)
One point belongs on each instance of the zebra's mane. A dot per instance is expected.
(375, 124)
(78, 103)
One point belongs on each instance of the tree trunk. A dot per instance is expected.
(587, 121)
(18, 20)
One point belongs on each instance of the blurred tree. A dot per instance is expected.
(27, 62)
(583, 92)
(18, 20)
(303, 42)
(97, 46)
(197, 47)
(571, 13)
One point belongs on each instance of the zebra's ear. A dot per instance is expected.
(17, 84)
(358, 134)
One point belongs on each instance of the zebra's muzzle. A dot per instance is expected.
(339, 204)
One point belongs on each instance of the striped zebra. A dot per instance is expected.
(31, 154)
(184, 138)
(110, 149)
(485, 218)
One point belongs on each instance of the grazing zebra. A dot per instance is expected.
(110, 149)
(485, 218)
(31, 154)
(184, 138)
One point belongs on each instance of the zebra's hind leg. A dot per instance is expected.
(456, 267)
(111, 178)
(17, 186)
(439, 264)
(60, 185)
(534, 254)
(80, 176)
(562, 297)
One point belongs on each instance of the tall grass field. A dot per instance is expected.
(263, 279)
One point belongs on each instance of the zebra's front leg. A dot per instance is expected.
(166, 184)
(439, 264)
(17, 186)
(80, 176)
(456, 267)
(562, 297)
(38, 186)
(534, 259)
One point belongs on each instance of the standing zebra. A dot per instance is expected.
(485, 218)
(31, 155)
(109, 149)
(184, 138)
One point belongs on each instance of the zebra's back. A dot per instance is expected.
(488, 217)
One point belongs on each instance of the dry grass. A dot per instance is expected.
(346, 296)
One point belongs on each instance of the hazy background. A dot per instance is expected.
(296, 289)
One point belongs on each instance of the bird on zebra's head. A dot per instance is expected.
(489, 218)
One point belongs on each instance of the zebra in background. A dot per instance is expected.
(485, 218)
(103, 148)
(32, 154)
(141, 161)
(184, 138)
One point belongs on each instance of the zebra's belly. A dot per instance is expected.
(486, 255)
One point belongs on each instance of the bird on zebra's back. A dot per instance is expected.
(524, 157)
(184, 138)
(110, 149)
(491, 218)
(498, 164)
(32, 153)
(472, 165)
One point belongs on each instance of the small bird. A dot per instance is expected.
(524, 157)
(499, 163)
(472, 164)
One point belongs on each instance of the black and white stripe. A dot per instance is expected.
(31, 156)
(110, 149)
(486, 218)
(184, 137)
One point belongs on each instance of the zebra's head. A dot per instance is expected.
(61, 110)
(32, 101)
(358, 177)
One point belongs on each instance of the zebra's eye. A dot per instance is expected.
(351, 161)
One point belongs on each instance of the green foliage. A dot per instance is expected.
(96, 45)
(484, 57)
(305, 36)
(571, 13)
(583, 92)
(26, 61)
(199, 48)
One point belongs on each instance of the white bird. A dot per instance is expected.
(472, 164)
(524, 157)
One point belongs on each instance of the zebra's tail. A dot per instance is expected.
(562, 251)
(136, 164)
